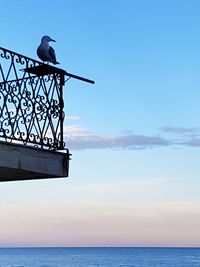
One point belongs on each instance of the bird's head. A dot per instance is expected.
(46, 38)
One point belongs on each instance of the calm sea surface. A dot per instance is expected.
(102, 257)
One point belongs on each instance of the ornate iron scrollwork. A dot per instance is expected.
(31, 106)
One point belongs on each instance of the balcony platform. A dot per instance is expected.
(19, 162)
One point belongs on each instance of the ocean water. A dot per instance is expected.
(102, 257)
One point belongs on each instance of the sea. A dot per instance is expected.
(100, 257)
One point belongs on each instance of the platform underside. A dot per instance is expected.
(19, 162)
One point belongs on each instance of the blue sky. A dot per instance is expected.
(134, 135)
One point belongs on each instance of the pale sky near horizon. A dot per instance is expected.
(134, 136)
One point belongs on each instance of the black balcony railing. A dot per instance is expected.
(31, 106)
(31, 101)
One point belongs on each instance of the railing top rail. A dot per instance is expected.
(44, 69)
(20, 55)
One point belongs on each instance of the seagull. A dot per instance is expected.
(45, 52)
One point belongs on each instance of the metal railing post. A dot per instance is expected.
(62, 115)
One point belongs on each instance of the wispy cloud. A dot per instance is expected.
(79, 138)
(82, 138)
(72, 118)
(76, 130)
(180, 130)
(192, 142)
(185, 136)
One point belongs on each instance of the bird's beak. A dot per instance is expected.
(53, 40)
